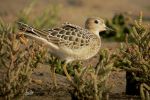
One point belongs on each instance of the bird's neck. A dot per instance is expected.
(95, 32)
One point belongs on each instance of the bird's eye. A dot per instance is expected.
(96, 22)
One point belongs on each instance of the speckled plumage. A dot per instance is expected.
(70, 42)
(74, 42)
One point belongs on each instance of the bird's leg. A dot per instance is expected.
(53, 76)
(66, 72)
(36, 81)
(22, 38)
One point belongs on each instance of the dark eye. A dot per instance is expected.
(96, 22)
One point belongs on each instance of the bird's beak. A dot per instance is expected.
(108, 29)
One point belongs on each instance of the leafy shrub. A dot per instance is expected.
(17, 62)
(135, 57)
(90, 82)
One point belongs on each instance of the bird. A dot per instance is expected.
(69, 42)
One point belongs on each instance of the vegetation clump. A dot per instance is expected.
(17, 62)
(90, 82)
(134, 57)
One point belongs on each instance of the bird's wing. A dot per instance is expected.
(70, 36)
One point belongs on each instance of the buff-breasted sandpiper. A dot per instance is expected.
(70, 42)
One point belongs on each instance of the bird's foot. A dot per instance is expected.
(39, 82)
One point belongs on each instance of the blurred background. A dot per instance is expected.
(75, 11)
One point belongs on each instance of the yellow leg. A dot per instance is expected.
(53, 76)
(36, 81)
(66, 72)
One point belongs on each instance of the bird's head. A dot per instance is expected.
(95, 25)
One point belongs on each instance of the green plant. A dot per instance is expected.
(135, 58)
(56, 65)
(54, 62)
(90, 82)
(17, 62)
(121, 24)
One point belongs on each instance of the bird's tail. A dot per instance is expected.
(36, 34)
(30, 30)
